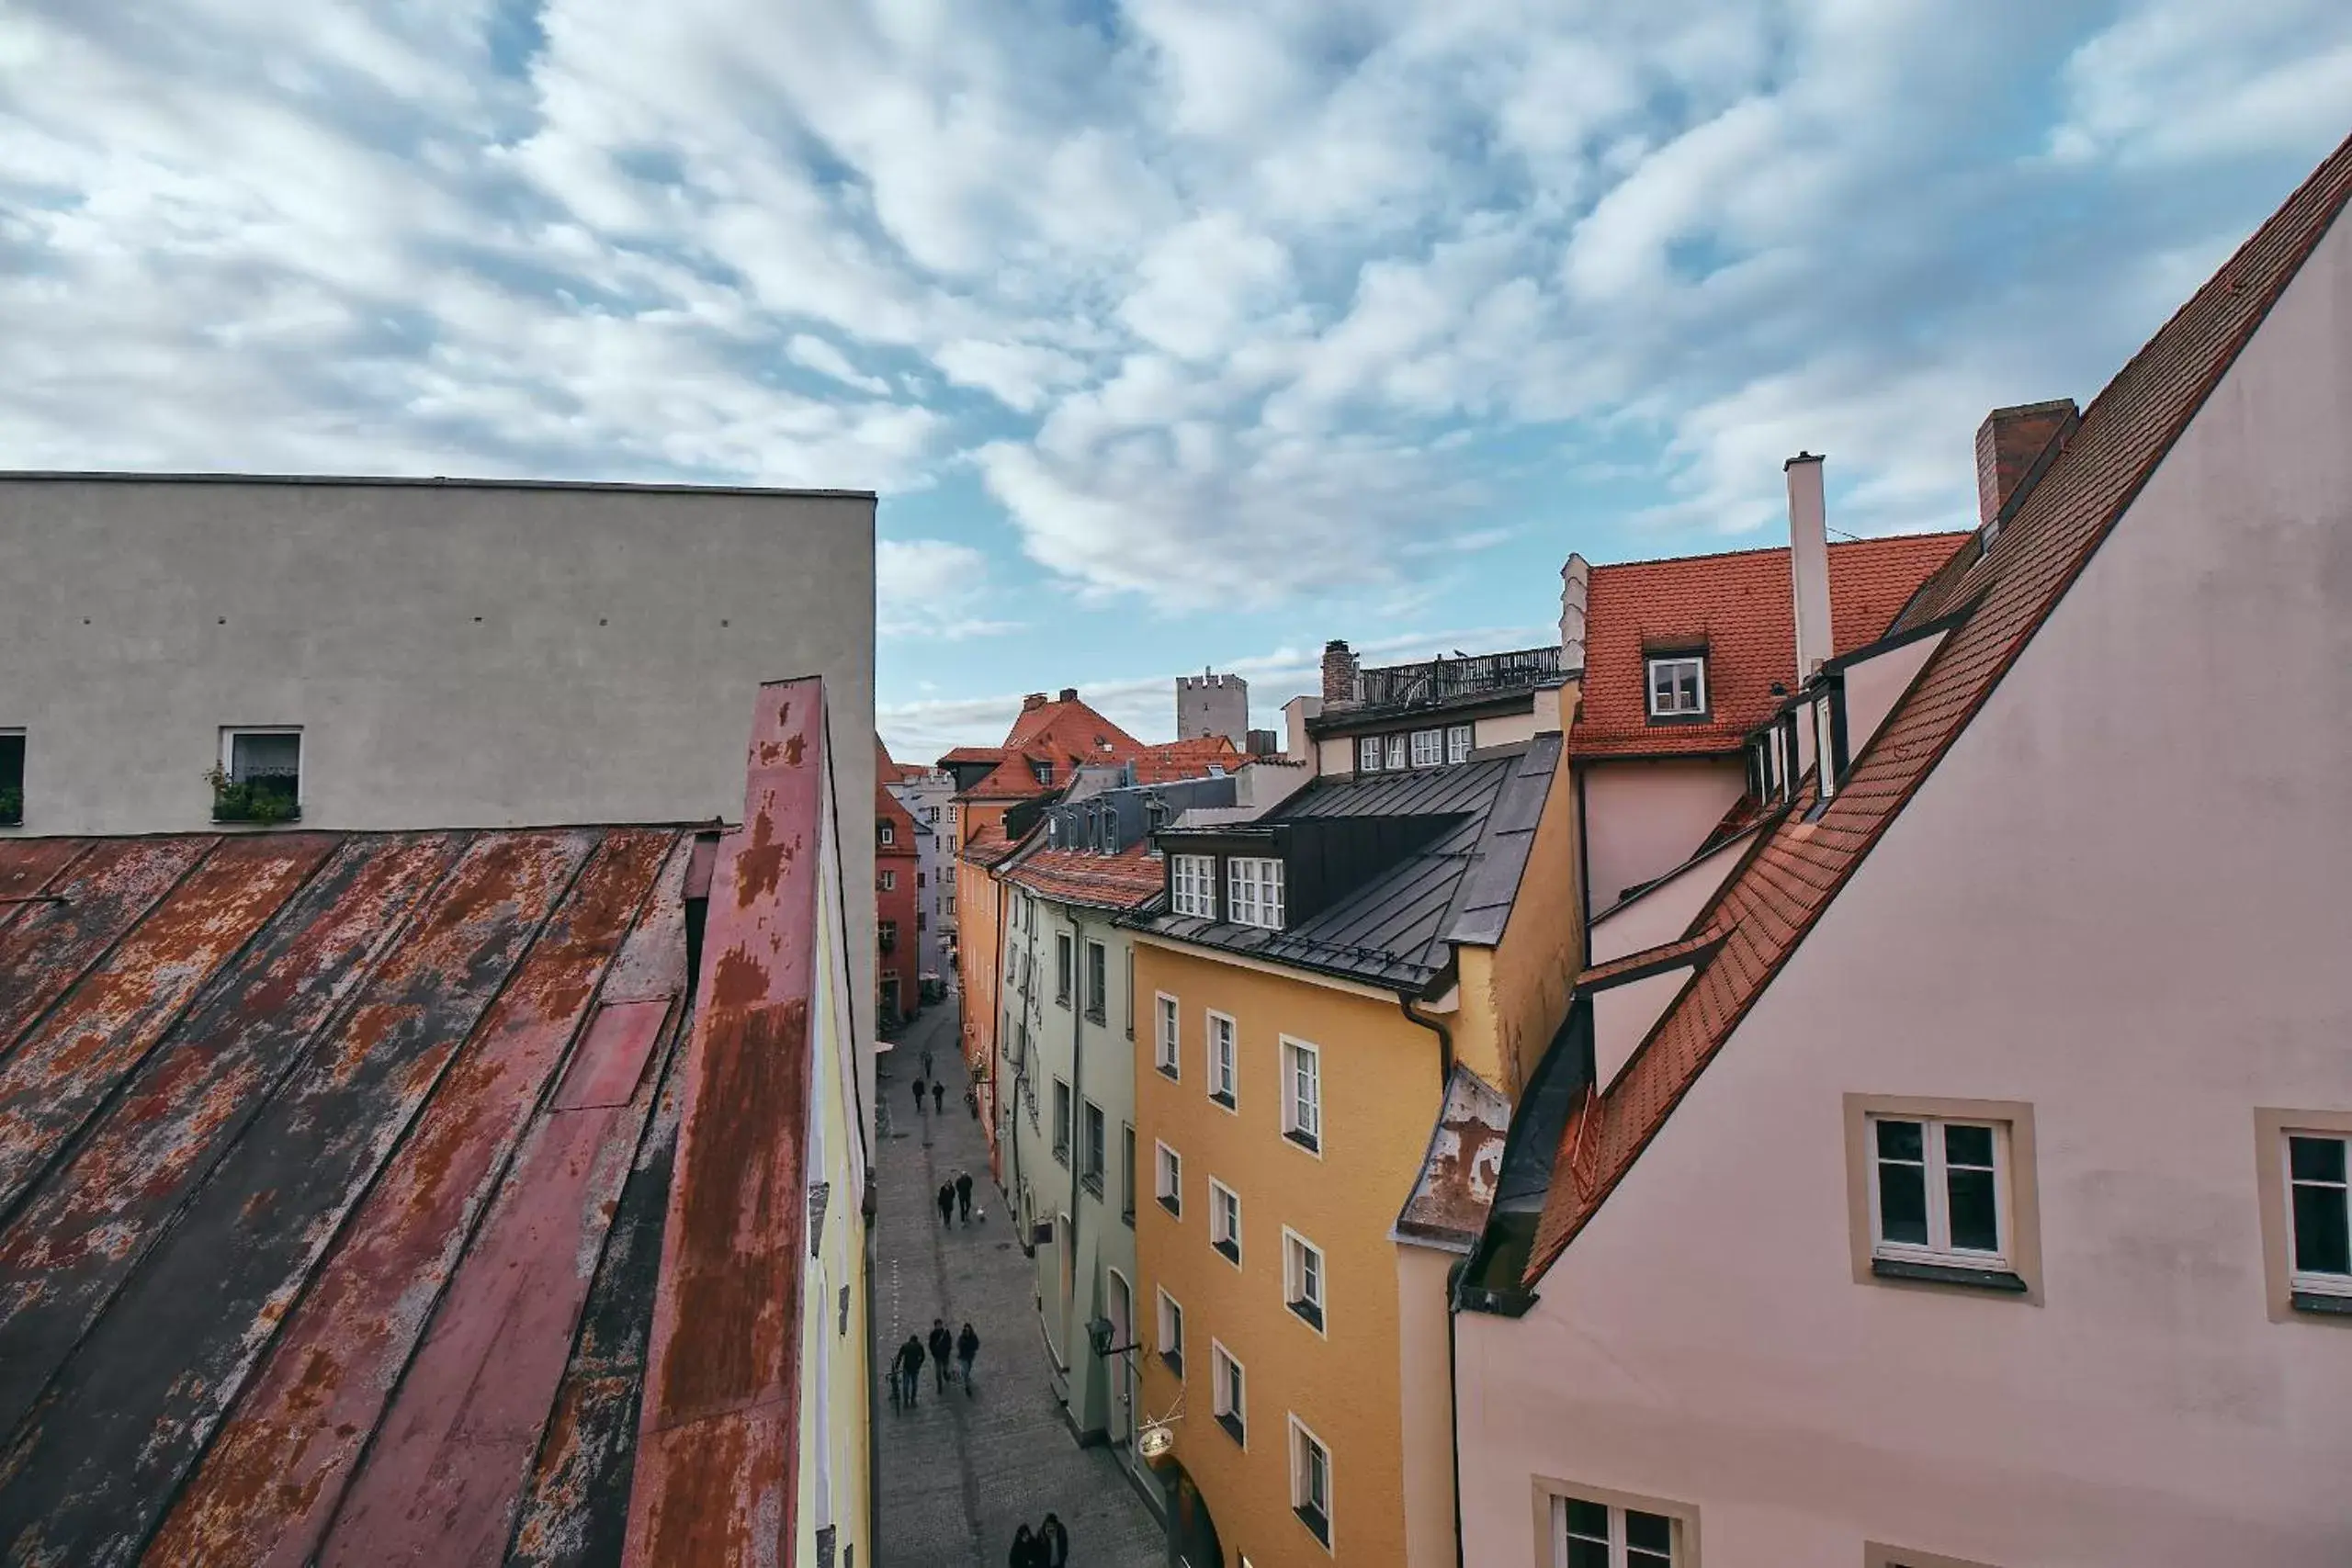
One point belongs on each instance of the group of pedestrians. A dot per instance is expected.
(957, 1196)
(906, 1367)
(1047, 1546)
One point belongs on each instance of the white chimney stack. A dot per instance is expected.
(1576, 588)
(1809, 563)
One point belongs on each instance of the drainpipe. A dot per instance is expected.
(1077, 1121)
(1444, 1046)
(1454, 1393)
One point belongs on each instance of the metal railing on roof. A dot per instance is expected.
(1443, 680)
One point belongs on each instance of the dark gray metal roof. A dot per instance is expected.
(1397, 930)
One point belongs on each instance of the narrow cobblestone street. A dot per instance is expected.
(958, 1474)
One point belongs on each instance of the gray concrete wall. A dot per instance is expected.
(456, 655)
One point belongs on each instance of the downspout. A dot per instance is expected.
(1454, 1394)
(1077, 1121)
(1444, 1047)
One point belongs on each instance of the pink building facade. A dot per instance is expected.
(1960, 1184)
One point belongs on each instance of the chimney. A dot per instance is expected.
(1070, 695)
(2008, 443)
(1034, 701)
(1576, 582)
(1339, 674)
(1809, 563)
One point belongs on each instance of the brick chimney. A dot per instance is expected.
(1809, 563)
(2007, 445)
(1070, 695)
(1034, 701)
(1339, 674)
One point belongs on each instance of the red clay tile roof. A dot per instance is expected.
(972, 754)
(1125, 881)
(1185, 760)
(1741, 608)
(1071, 728)
(1795, 867)
(887, 808)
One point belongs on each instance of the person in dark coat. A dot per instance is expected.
(946, 1201)
(963, 1194)
(1024, 1553)
(1053, 1543)
(911, 1367)
(967, 1347)
(918, 1097)
(938, 1097)
(943, 1345)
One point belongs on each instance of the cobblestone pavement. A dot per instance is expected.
(959, 1474)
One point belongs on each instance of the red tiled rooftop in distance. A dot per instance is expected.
(1122, 881)
(1742, 609)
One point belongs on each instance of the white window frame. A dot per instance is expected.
(2299, 1280)
(1302, 1438)
(1368, 748)
(1459, 742)
(1670, 662)
(1065, 1120)
(1169, 1325)
(1395, 744)
(1254, 891)
(890, 881)
(1168, 1179)
(1168, 1036)
(888, 834)
(1065, 968)
(1223, 1229)
(1192, 880)
(1224, 1076)
(1221, 1402)
(1935, 1173)
(1429, 748)
(1302, 1131)
(1297, 1272)
(1681, 1528)
(1093, 1145)
(1094, 981)
(229, 734)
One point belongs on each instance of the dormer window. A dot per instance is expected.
(1043, 770)
(1192, 885)
(1368, 754)
(1253, 892)
(1395, 753)
(1429, 748)
(1678, 685)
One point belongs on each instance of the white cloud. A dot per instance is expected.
(2181, 80)
(826, 359)
(933, 589)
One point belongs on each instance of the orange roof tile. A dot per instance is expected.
(1185, 760)
(1071, 727)
(1795, 867)
(1124, 881)
(1741, 608)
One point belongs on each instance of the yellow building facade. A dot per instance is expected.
(1315, 1150)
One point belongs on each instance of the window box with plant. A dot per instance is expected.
(259, 776)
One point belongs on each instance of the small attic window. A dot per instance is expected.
(259, 778)
(11, 777)
(1678, 685)
(1044, 772)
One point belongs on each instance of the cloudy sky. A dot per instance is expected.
(1172, 332)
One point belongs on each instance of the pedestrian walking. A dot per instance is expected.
(946, 1201)
(1053, 1543)
(1024, 1553)
(938, 1097)
(910, 1358)
(967, 1347)
(926, 1062)
(964, 1195)
(943, 1345)
(918, 1097)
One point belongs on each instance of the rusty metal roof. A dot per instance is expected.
(338, 1211)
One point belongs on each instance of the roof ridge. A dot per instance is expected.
(1797, 868)
(1783, 549)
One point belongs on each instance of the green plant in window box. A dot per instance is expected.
(12, 806)
(262, 799)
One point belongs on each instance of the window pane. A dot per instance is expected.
(1396, 751)
(1968, 1145)
(1586, 1554)
(1902, 1203)
(2321, 1243)
(1974, 1226)
(1652, 1533)
(2316, 1160)
(1900, 1140)
(1588, 1518)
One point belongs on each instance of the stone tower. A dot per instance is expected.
(1210, 704)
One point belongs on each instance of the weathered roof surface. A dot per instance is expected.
(1069, 726)
(316, 1150)
(1741, 609)
(1397, 930)
(1451, 1197)
(1176, 760)
(1127, 880)
(1796, 866)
